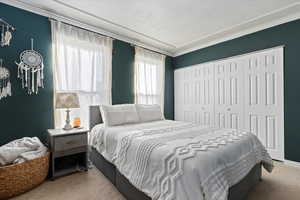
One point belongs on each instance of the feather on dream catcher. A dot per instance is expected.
(6, 34)
(5, 86)
(31, 70)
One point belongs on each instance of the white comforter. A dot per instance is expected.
(177, 160)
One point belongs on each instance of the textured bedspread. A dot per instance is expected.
(177, 160)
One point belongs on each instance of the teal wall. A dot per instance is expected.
(169, 89)
(122, 72)
(23, 115)
(286, 34)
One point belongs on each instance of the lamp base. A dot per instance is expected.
(68, 125)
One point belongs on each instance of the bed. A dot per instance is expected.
(176, 160)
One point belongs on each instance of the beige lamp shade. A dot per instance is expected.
(66, 100)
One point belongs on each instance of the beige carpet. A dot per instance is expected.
(282, 184)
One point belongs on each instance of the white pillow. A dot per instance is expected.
(149, 113)
(113, 115)
(131, 115)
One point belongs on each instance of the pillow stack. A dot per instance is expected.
(114, 115)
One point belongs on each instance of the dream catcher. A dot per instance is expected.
(6, 34)
(5, 86)
(30, 70)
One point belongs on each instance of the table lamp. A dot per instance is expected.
(67, 101)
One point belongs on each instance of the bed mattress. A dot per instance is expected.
(178, 160)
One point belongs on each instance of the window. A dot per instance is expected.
(82, 64)
(149, 77)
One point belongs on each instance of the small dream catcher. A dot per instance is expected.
(6, 34)
(5, 86)
(31, 70)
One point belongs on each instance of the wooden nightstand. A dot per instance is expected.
(69, 151)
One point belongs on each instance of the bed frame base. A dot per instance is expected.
(236, 192)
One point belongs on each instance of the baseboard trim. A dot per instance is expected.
(292, 163)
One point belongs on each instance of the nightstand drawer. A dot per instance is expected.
(70, 142)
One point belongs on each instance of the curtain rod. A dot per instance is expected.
(131, 44)
(52, 19)
(134, 45)
(7, 24)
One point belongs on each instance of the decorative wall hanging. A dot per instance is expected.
(6, 34)
(31, 70)
(5, 86)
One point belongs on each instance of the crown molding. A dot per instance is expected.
(72, 21)
(271, 19)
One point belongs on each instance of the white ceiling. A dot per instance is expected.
(171, 26)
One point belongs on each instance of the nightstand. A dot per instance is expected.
(69, 151)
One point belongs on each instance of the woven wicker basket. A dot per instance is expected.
(19, 178)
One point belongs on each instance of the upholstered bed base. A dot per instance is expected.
(236, 192)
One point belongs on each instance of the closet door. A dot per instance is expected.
(229, 94)
(264, 99)
(204, 94)
(178, 94)
(194, 100)
(184, 94)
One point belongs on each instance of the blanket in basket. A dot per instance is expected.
(21, 150)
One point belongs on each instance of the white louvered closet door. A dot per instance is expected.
(242, 92)
(179, 94)
(229, 94)
(203, 98)
(194, 100)
(264, 115)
